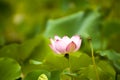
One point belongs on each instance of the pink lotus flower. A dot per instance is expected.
(65, 45)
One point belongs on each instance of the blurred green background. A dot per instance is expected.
(21, 20)
(27, 25)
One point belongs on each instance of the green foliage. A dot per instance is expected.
(113, 57)
(104, 69)
(9, 69)
(35, 75)
(27, 25)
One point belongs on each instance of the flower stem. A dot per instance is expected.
(93, 60)
(116, 76)
(68, 58)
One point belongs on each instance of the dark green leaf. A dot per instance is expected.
(113, 57)
(84, 23)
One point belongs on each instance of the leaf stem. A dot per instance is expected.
(93, 59)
